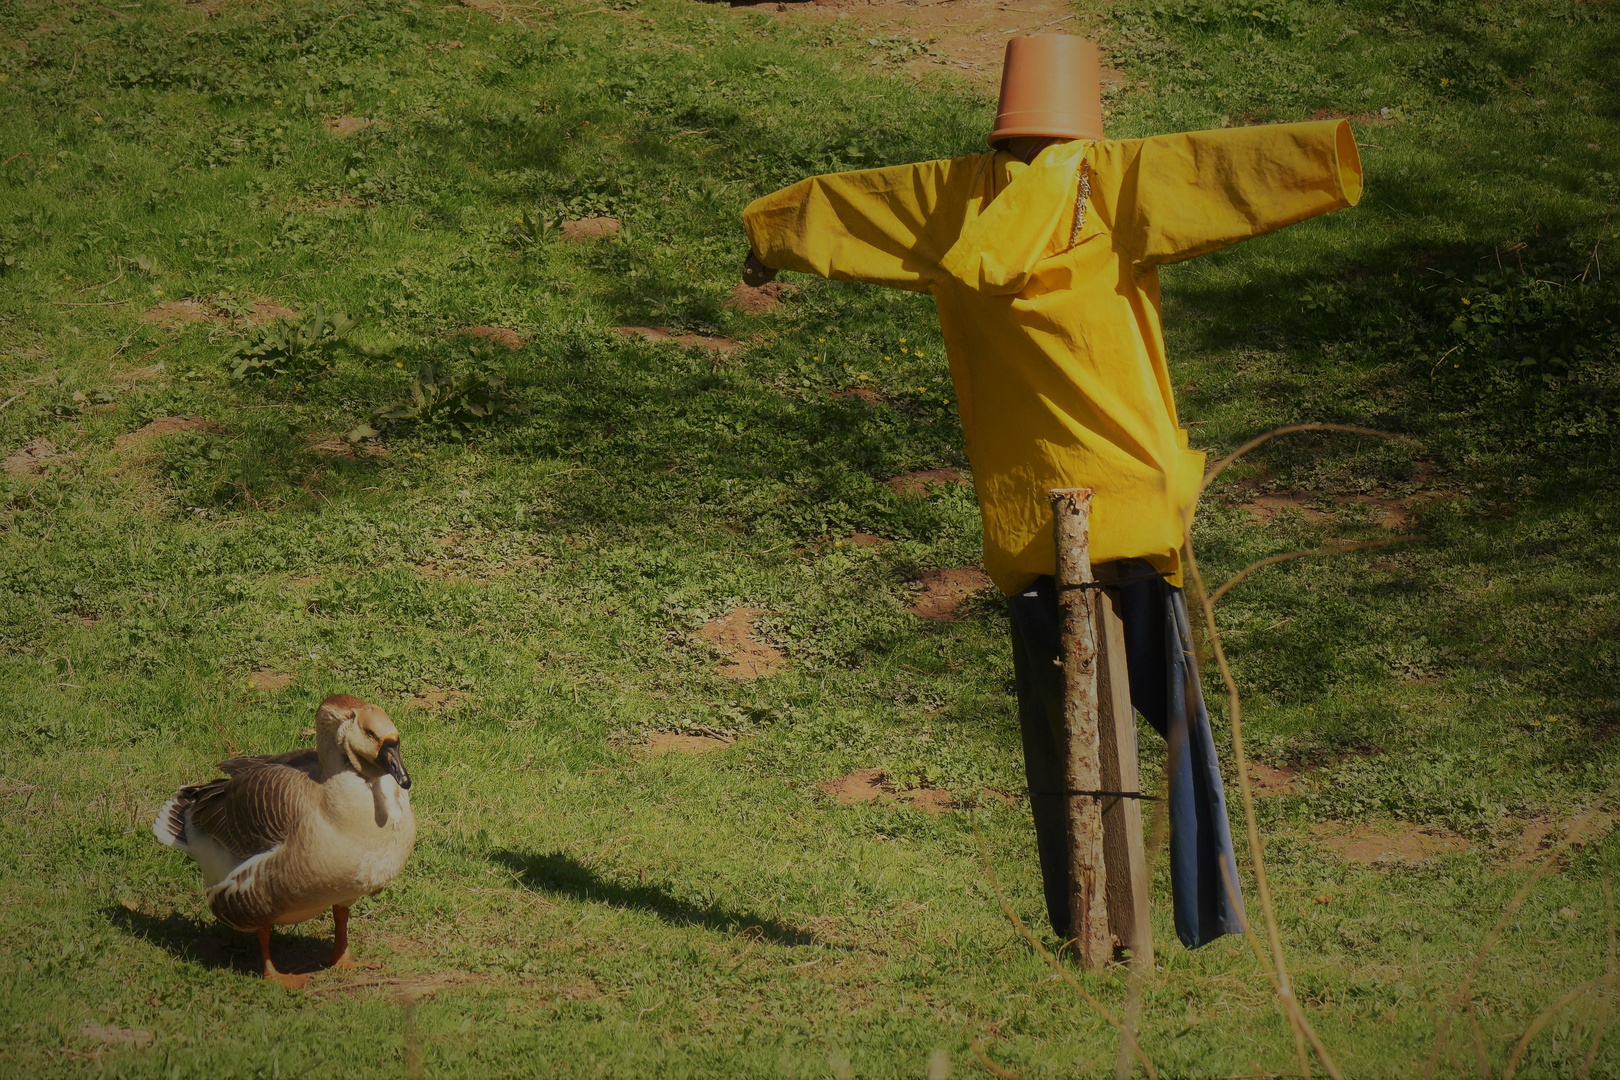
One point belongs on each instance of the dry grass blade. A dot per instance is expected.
(1046, 954)
(1303, 1031)
(1273, 560)
(1464, 996)
(989, 1066)
(1606, 1002)
(1349, 429)
(1541, 1021)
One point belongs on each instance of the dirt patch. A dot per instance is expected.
(864, 393)
(345, 126)
(860, 786)
(509, 340)
(940, 592)
(139, 374)
(1541, 834)
(109, 1036)
(175, 314)
(931, 801)
(32, 458)
(991, 797)
(733, 634)
(435, 700)
(178, 314)
(1267, 508)
(966, 36)
(761, 301)
(673, 742)
(922, 483)
(163, 425)
(1266, 780)
(1397, 842)
(269, 679)
(866, 540)
(661, 334)
(343, 448)
(590, 228)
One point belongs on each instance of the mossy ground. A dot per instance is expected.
(577, 909)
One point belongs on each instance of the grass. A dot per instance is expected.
(577, 909)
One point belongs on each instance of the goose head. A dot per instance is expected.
(362, 733)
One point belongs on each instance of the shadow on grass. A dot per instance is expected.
(212, 945)
(559, 874)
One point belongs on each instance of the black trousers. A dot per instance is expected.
(1165, 690)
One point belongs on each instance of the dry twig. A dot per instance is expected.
(989, 1066)
(1606, 1002)
(1051, 961)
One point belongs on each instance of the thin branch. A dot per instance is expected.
(1464, 993)
(1222, 465)
(1303, 1031)
(1273, 560)
(989, 1066)
(1045, 954)
(1606, 1002)
(1541, 1021)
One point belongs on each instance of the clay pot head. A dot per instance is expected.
(1051, 87)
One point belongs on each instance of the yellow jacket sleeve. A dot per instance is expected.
(879, 226)
(1185, 195)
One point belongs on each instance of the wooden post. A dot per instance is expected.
(1082, 770)
(1124, 852)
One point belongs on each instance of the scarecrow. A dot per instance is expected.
(1043, 258)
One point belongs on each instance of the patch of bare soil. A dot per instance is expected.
(761, 301)
(1542, 833)
(109, 1035)
(659, 334)
(864, 393)
(673, 742)
(175, 314)
(922, 483)
(139, 374)
(873, 785)
(1390, 512)
(733, 634)
(435, 700)
(507, 339)
(931, 801)
(335, 446)
(860, 786)
(866, 540)
(590, 228)
(1394, 842)
(940, 592)
(966, 36)
(1266, 508)
(178, 314)
(32, 458)
(1266, 780)
(164, 425)
(270, 679)
(344, 126)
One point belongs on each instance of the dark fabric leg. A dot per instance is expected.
(1165, 690)
(1036, 647)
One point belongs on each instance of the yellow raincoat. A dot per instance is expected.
(1056, 350)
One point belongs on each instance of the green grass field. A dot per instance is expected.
(578, 907)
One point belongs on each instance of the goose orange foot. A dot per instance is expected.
(340, 939)
(286, 981)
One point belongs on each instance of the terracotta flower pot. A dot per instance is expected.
(1051, 85)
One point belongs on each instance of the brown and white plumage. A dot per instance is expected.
(282, 838)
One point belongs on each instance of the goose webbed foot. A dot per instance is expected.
(281, 978)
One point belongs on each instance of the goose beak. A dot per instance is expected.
(388, 758)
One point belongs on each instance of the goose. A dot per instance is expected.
(282, 838)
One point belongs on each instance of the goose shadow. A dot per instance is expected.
(218, 947)
(561, 875)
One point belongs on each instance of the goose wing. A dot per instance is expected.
(306, 761)
(259, 805)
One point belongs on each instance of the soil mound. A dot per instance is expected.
(1396, 842)
(163, 425)
(674, 742)
(940, 592)
(761, 301)
(590, 228)
(921, 483)
(507, 339)
(750, 659)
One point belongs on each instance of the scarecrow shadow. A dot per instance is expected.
(218, 947)
(560, 874)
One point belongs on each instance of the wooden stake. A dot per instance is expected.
(1124, 851)
(1082, 771)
